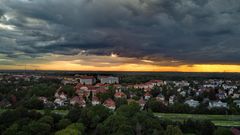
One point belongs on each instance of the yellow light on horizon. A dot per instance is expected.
(147, 61)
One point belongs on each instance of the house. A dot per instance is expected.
(217, 104)
(43, 99)
(120, 94)
(87, 80)
(142, 103)
(77, 100)
(235, 95)
(171, 99)
(100, 90)
(181, 83)
(192, 103)
(237, 102)
(205, 100)
(60, 102)
(221, 96)
(148, 85)
(95, 100)
(157, 82)
(118, 86)
(183, 93)
(109, 103)
(100, 85)
(209, 86)
(225, 87)
(147, 96)
(60, 95)
(138, 86)
(63, 96)
(108, 80)
(160, 98)
(69, 80)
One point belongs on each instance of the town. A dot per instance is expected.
(169, 104)
(158, 95)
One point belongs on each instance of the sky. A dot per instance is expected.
(120, 35)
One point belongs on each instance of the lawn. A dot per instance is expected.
(218, 120)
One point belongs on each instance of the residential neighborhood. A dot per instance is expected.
(87, 94)
(211, 93)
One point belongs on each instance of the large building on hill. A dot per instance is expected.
(108, 79)
(87, 80)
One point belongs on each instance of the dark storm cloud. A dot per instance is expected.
(192, 31)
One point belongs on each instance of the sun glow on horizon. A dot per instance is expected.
(65, 65)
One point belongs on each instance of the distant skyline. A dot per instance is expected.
(120, 35)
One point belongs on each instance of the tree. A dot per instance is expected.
(173, 130)
(120, 102)
(155, 91)
(128, 110)
(13, 129)
(114, 124)
(93, 115)
(63, 123)
(39, 128)
(46, 119)
(69, 90)
(8, 117)
(103, 96)
(74, 114)
(180, 108)
(156, 106)
(73, 129)
(34, 103)
(43, 89)
(205, 127)
(146, 123)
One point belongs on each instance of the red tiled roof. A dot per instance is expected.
(141, 101)
(101, 85)
(95, 98)
(119, 94)
(109, 103)
(155, 81)
(148, 83)
(101, 90)
(79, 100)
(147, 94)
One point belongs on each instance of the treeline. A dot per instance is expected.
(98, 120)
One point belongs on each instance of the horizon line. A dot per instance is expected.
(114, 71)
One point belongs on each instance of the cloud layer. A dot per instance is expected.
(167, 32)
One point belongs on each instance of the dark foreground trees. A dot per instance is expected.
(98, 120)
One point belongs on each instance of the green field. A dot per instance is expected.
(218, 120)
